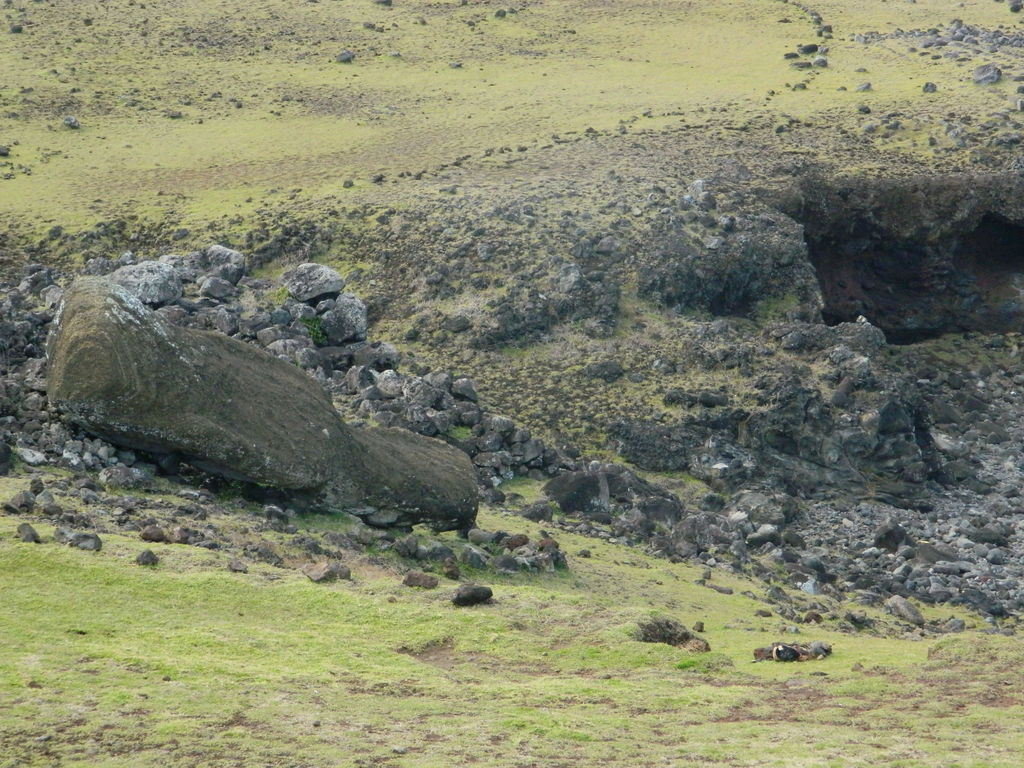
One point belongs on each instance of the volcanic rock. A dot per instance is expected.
(470, 594)
(327, 571)
(310, 281)
(420, 579)
(128, 375)
(151, 282)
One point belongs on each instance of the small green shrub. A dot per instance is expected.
(316, 330)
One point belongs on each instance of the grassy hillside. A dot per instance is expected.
(105, 663)
(199, 111)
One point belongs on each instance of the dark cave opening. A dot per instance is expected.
(915, 290)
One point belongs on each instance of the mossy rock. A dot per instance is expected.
(126, 374)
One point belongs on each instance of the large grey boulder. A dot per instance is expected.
(152, 282)
(127, 375)
(346, 321)
(310, 281)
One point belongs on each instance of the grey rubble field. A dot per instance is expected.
(714, 309)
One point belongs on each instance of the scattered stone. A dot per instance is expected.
(987, 74)
(216, 288)
(31, 457)
(22, 503)
(608, 371)
(238, 412)
(89, 542)
(929, 87)
(515, 541)
(6, 458)
(151, 282)
(420, 579)
(474, 557)
(890, 535)
(954, 625)
(70, 121)
(153, 533)
(27, 534)
(147, 558)
(328, 571)
(311, 281)
(237, 566)
(450, 569)
(345, 57)
(346, 321)
(903, 609)
(470, 594)
(120, 476)
(663, 630)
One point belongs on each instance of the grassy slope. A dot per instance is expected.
(308, 123)
(107, 664)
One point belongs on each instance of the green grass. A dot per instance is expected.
(107, 664)
(306, 124)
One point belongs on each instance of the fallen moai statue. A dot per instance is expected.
(131, 377)
(793, 651)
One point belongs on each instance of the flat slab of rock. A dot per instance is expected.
(327, 572)
(420, 579)
(310, 281)
(124, 373)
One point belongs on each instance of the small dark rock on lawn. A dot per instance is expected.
(470, 594)
(671, 632)
(420, 579)
(21, 504)
(147, 557)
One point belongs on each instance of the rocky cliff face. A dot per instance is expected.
(690, 347)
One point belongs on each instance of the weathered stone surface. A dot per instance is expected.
(152, 282)
(420, 579)
(420, 479)
(21, 504)
(121, 476)
(902, 608)
(128, 375)
(327, 571)
(310, 281)
(346, 321)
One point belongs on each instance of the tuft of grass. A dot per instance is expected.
(316, 330)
